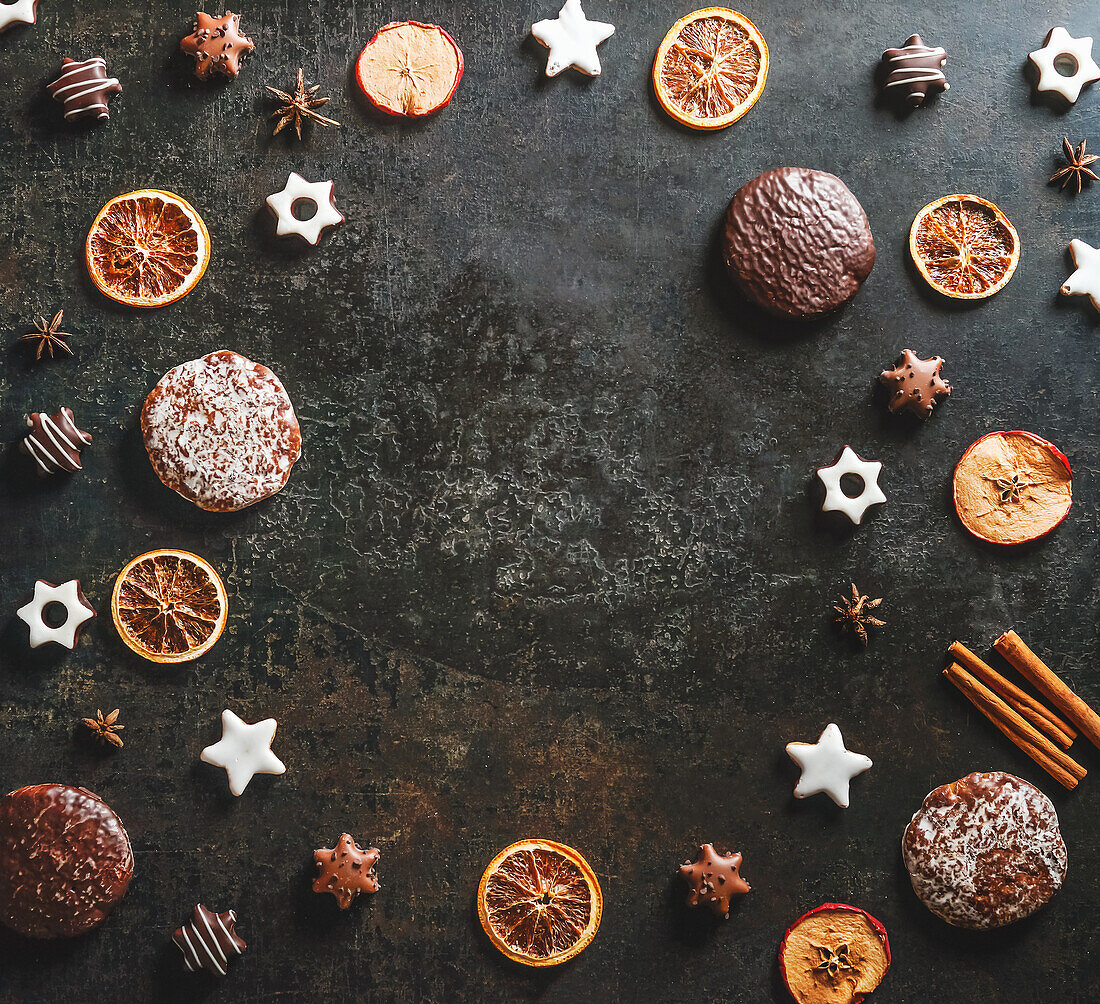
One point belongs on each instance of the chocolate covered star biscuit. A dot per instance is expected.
(209, 940)
(914, 70)
(217, 45)
(914, 384)
(83, 89)
(713, 879)
(54, 444)
(346, 870)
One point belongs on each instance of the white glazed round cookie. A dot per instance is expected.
(221, 431)
(985, 850)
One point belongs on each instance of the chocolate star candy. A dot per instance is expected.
(54, 444)
(83, 89)
(713, 880)
(914, 384)
(915, 70)
(209, 940)
(346, 870)
(217, 45)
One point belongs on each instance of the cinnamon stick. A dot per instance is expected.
(1048, 683)
(1063, 768)
(1038, 714)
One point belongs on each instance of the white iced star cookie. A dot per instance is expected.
(77, 611)
(298, 190)
(827, 766)
(1085, 281)
(1074, 54)
(572, 40)
(854, 507)
(244, 751)
(20, 12)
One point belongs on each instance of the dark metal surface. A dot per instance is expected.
(550, 563)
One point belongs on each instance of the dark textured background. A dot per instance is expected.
(550, 563)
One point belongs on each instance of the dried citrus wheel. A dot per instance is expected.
(710, 68)
(147, 248)
(409, 69)
(1012, 487)
(964, 247)
(169, 606)
(539, 902)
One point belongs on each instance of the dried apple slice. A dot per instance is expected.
(835, 954)
(409, 69)
(1012, 487)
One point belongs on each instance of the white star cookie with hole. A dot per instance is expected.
(854, 507)
(572, 40)
(244, 751)
(298, 190)
(1077, 52)
(20, 12)
(827, 766)
(1085, 281)
(77, 611)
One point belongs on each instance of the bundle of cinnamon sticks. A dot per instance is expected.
(1025, 721)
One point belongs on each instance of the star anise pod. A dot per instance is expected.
(49, 336)
(106, 729)
(1077, 168)
(298, 106)
(854, 614)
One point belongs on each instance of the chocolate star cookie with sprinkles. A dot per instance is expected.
(217, 45)
(915, 385)
(713, 880)
(346, 870)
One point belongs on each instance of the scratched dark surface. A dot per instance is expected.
(550, 563)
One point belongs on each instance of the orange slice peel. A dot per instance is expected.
(539, 902)
(964, 247)
(169, 606)
(147, 248)
(710, 68)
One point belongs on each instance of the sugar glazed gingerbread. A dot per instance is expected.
(221, 431)
(217, 45)
(65, 860)
(713, 879)
(346, 870)
(985, 851)
(797, 242)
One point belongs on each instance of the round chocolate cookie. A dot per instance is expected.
(985, 851)
(797, 242)
(221, 431)
(65, 860)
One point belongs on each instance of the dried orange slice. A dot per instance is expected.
(409, 69)
(964, 247)
(169, 605)
(1012, 487)
(147, 248)
(710, 68)
(539, 902)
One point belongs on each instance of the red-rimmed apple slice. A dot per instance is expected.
(1012, 487)
(409, 69)
(835, 954)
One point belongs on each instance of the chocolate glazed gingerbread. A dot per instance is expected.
(797, 242)
(65, 860)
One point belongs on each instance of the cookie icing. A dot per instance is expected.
(849, 462)
(19, 12)
(1060, 43)
(244, 751)
(77, 611)
(297, 189)
(1085, 280)
(572, 40)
